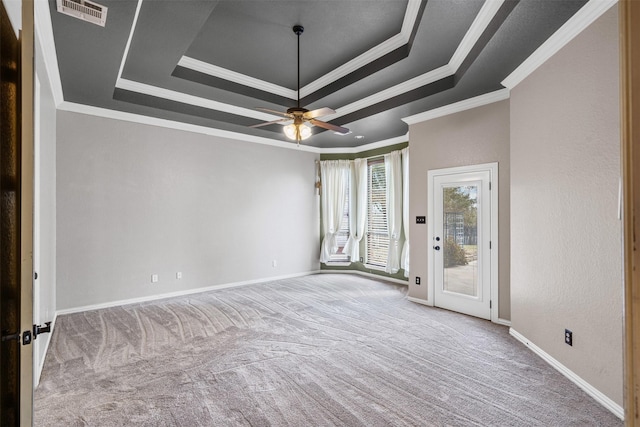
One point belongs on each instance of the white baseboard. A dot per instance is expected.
(616, 409)
(178, 293)
(430, 304)
(503, 322)
(420, 301)
(364, 273)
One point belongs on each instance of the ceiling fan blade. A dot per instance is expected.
(270, 123)
(281, 113)
(318, 113)
(330, 126)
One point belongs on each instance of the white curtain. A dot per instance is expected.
(335, 178)
(404, 258)
(393, 172)
(357, 208)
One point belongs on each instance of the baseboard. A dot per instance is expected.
(499, 321)
(364, 273)
(503, 322)
(420, 301)
(179, 293)
(616, 409)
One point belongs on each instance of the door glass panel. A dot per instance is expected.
(460, 240)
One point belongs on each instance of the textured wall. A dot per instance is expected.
(136, 200)
(566, 237)
(471, 137)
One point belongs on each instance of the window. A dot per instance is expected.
(343, 232)
(377, 231)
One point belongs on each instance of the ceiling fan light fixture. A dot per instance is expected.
(297, 131)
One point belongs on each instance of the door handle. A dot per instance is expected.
(10, 337)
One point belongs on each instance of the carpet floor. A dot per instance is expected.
(320, 350)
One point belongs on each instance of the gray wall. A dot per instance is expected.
(565, 235)
(136, 200)
(471, 137)
(45, 286)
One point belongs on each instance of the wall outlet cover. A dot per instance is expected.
(568, 337)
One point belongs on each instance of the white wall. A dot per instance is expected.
(565, 235)
(45, 285)
(136, 200)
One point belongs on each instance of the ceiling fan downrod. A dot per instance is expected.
(298, 29)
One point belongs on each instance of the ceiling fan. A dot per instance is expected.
(298, 130)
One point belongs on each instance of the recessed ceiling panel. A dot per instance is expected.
(255, 38)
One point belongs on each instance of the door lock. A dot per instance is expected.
(39, 329)
(437, 248)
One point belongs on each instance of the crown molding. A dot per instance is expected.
(171, 124)
(232, 76)
(358, 62)
(366, 147)
(467, 104)
(478, 26)
(414, 83)
(574, 26)
(125, 54)
(191, 99)
(44, 33)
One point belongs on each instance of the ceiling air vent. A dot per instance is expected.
(84, 9)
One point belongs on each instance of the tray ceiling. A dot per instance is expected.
(211, 63)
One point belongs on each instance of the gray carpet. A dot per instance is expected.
(320, 350)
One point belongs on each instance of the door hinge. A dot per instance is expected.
(490, 302)
(489, 185)
(489, 244)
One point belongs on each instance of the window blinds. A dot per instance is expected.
(377, 232)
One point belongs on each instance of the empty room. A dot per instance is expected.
(331, 212)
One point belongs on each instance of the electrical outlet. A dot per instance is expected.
(568, 337)
(417, 280)
(361, 259)
(179, 275)
(421, 219)
(154, 278)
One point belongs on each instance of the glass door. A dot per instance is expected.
(461, 242)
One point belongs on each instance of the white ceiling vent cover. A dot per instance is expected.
(84, 9)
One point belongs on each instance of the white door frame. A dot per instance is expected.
(38, 360)
(493, 234)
